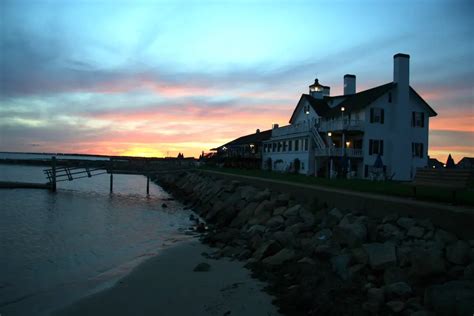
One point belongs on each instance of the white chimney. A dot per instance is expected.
(401, 69)
(349, 84)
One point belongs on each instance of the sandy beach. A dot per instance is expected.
(167, 285)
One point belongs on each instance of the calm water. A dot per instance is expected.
(55, 248)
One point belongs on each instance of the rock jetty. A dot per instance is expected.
(320, 261)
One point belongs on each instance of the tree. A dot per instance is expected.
(450, 163)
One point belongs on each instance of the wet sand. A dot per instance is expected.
(167, 285)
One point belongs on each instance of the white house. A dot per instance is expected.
(379, 132)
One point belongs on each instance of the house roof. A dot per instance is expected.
(318, 105)
(467, 160)
(360, 100)
(248, 139)
(354, 102)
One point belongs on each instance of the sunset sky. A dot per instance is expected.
(154, 78)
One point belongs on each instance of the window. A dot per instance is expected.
(376, 147)
(274, 147)
(290, 143)
(285, 146)
(376, 115)
(306, 144)
(279, 146)
(417, 150)
(418, 119)
(297, 143)
(390, 97)
(264, 148)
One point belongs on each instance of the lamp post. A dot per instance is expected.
(343, 139)
(329, 154)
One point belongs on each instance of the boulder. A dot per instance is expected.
(376, 295)
(307, 217)
(398, 289)
(244, 215)
(388, 231)
(285, 238)
(216, 208)
(280, 257)
(381, 255)
(279, 210)
(391, 218)
(458, 252)
(469, 272)
(426, 223)
(261, 196)
(247, 192)
(262, 213)
(351, 231)
(282, 199)
(416, 232)
(333, 217)
(444, 238)
(426, 262)
(275, 223)
(268, 248)
(406, 222)
(451, 298)
(396, 306)
(292, 211)
(393, 275)
(327, 250)
(360, 255)
(340, 265)
(202, 267)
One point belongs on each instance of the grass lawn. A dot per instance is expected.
(393, 188)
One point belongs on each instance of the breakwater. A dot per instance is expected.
(318, 260)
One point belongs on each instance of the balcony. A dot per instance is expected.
(289, 130)
(339, 125)
(337, 152)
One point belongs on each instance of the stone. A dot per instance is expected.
(396, 306)
(340, 265)
(275, 223)
(261, 196)
(388, 231)
(307, 217)
(371, 307)
(282, 199)
(285, 238)
(422, 313)
(381, 255)
(279, 210)
(280, 257)
(333, 217)
(268, 248)
(416, 232)
(444, 238)
(376, 295)
(426, 223)
(429, 235)
(398, 289)
(322, 236)
(351, 231)
(244, 215)
(360, 255)
(306, 260)
(426, 263)
(406, 222)
(393, 274)
(451, 298)
(391, 218)
(469, 272)
(256, 229)
(202, 267)
(458, 252)
(292, 220)
(262, 213)
(326, 250)
(292, 211)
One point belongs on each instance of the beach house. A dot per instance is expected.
(380, 132)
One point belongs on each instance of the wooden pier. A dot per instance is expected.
(72, 169)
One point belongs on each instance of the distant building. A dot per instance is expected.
(245, 151)
(434, 163)
(466, 163)
(382, 130)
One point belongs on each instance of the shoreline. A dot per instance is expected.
(167, 285)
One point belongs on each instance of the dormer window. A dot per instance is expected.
(306, 109)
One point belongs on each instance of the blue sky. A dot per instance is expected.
(158, 77)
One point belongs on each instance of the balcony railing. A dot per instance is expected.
(290, 129)
(338, 125)
(337, 152)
